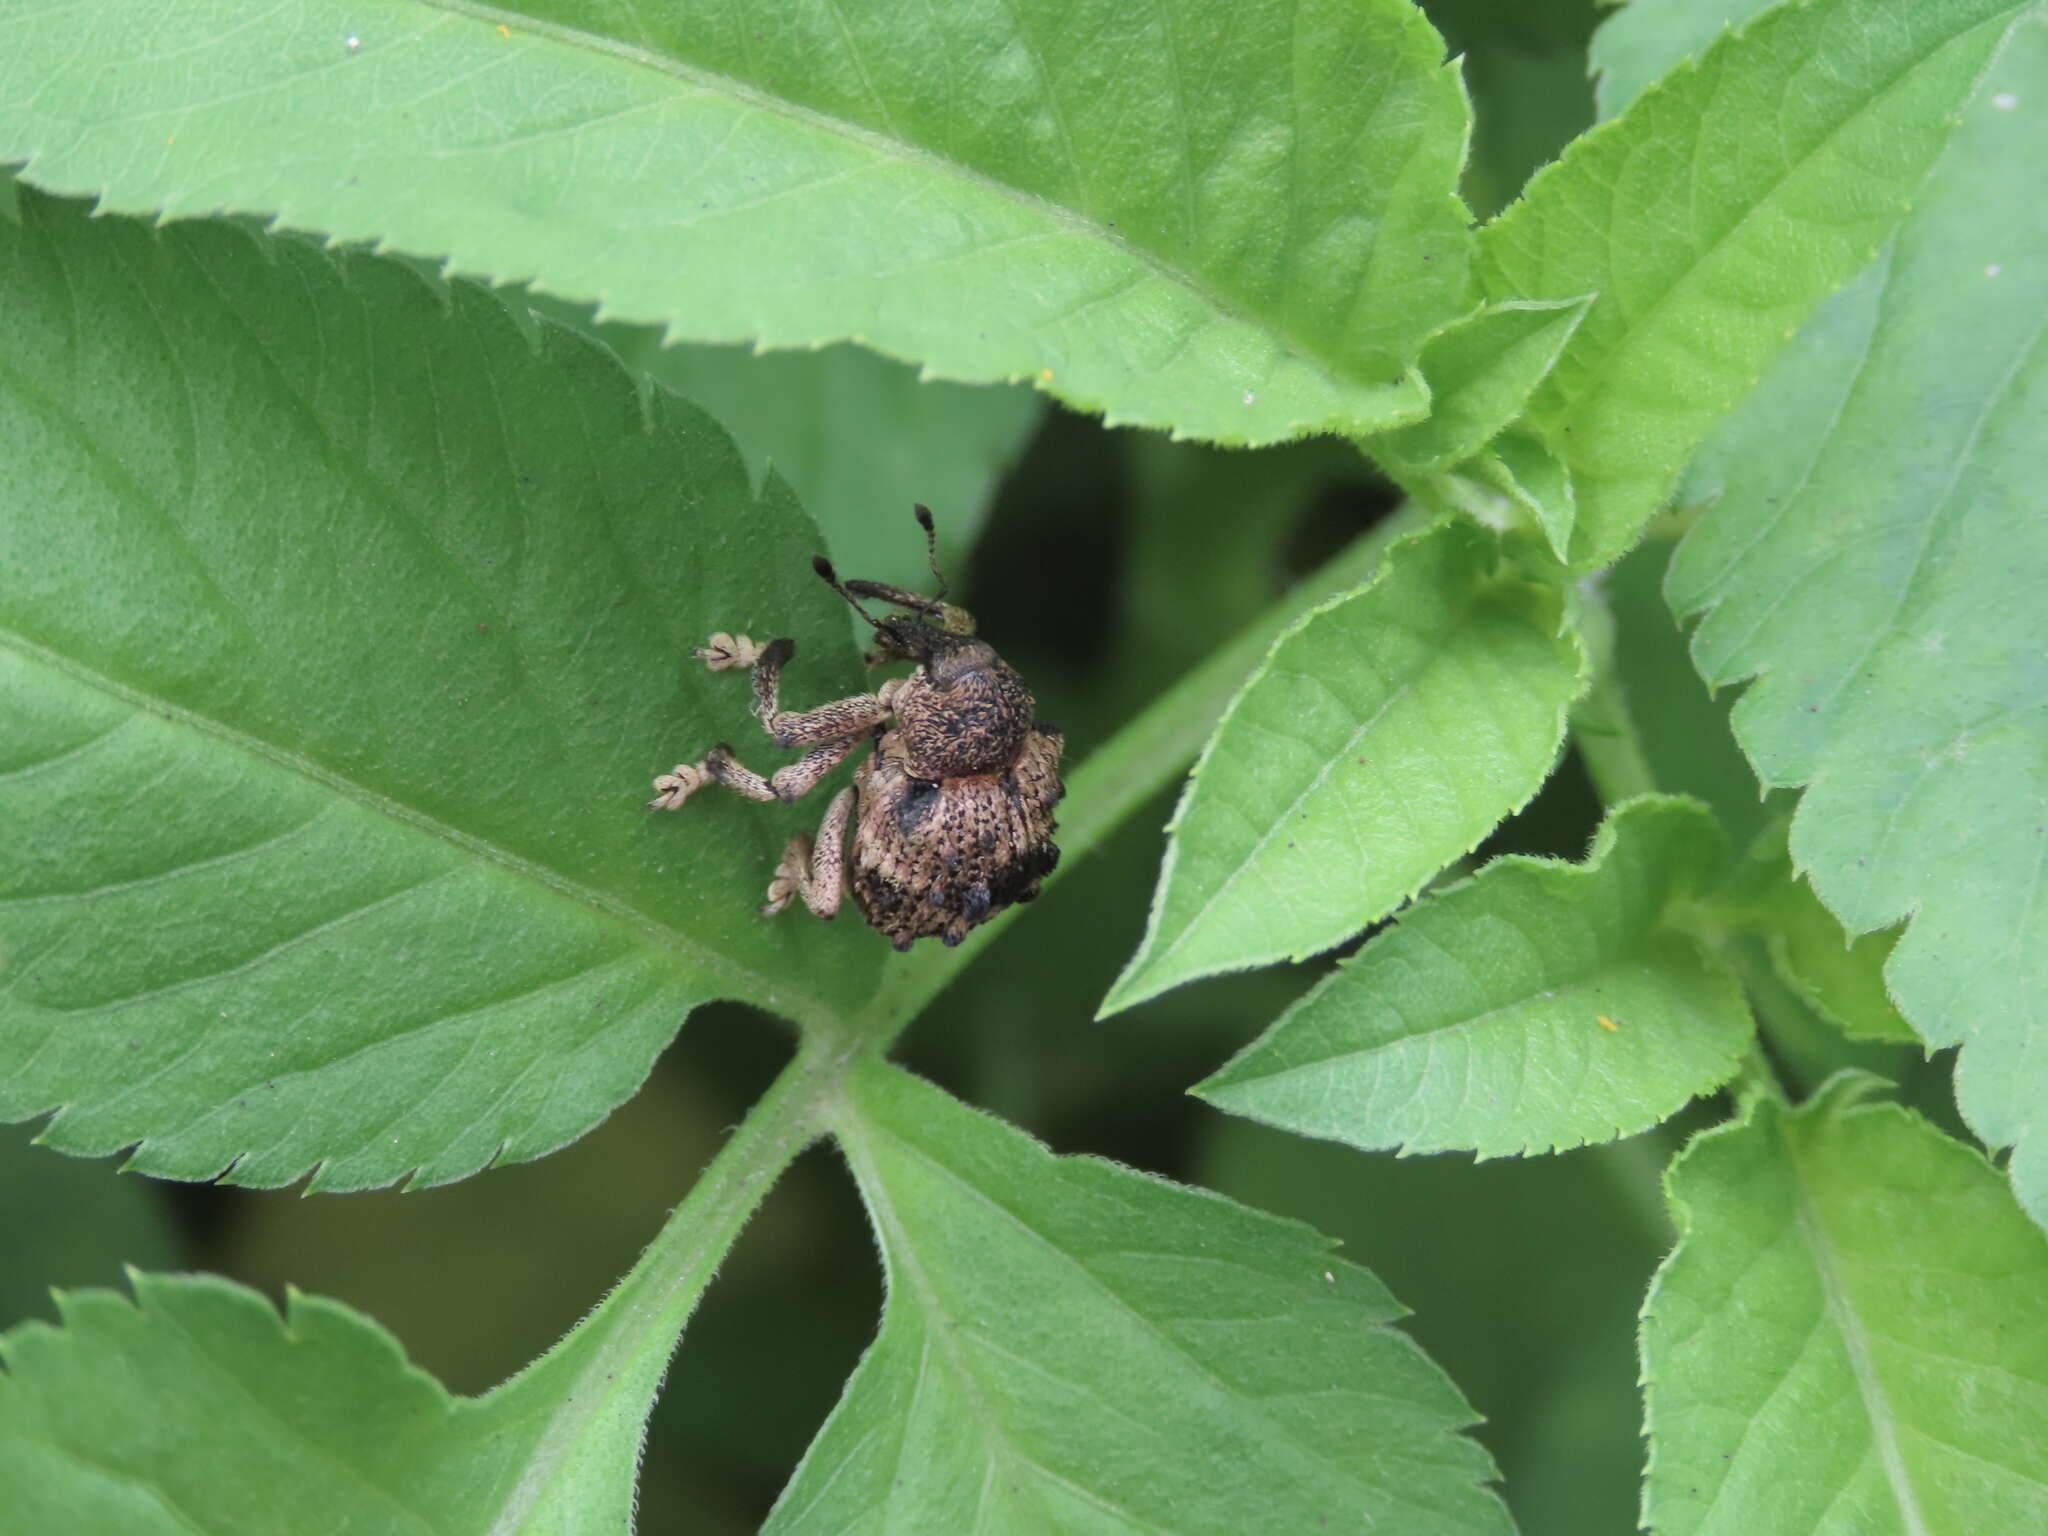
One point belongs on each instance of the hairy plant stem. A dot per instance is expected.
(603, 1376)
(1603, 729)
(1138, 761)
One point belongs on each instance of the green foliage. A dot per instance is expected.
(1481, 372)
(1645, 39)
(315, 1422)
(393, 907)
(1382, 738)
(1070, 1346)
(858, 438)
(1522, 467)
(346, 611)
(1850, 1334)
(1711, 217)
(1839, 975)
(1238, 224)
(1534, 1269)
(1892, 462)
(80, 1410)
(1535, 1007)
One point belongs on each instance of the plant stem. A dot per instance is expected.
(1756, 1079)
(1602, 728)
(1140, 760)
(600, 1381)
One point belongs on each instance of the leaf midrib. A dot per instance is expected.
(666, 942)
(1332, 370)
(1452, 1027)
(1273, 1432)
(1840, 1308)
(932, 1323)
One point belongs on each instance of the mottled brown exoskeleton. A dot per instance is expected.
(951, 816)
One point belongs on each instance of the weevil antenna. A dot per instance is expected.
(931, 548)
(831, 579)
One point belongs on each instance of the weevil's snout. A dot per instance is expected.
(902, 639)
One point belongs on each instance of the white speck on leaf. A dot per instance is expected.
(2005, 101)
(1993, 270)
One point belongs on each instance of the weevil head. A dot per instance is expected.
(930, 631)
(945, 654)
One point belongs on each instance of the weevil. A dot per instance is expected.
(950, 819)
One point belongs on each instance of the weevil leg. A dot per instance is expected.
(671, 789)
(789, 782)
(815, 871)
(722, 652)
(831, 730)
(841, 720)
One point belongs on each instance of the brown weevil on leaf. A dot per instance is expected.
(951, 816)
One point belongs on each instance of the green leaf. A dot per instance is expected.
(196, 1407)
(859, 438)
(1070, 1346)
(1386, 734)
(1529, 1272)
(1838, 975)
(1238, 222)
(1850, 1335)
(1874, 559)
(1841, 978)
(1522, 466)
(1535, 1007)
(345, 624)
(1480, 371)
(1711, 218)
(1645, 39)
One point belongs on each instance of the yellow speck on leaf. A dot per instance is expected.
(1607, 1023)
(1045, 374)
(504, 32)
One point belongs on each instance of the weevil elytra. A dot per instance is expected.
(950, 818)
